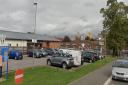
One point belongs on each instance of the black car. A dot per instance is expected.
(89, 56)
(37, 53)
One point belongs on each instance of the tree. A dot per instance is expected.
(66, 39)
(115, 25)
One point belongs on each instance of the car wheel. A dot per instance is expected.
(49, 63)
(15, 58)
(21, 57)
(64, 66)
(82, 62)
(90, 61)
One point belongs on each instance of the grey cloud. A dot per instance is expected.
(54, 17)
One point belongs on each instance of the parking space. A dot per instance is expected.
(25, 62)
(72, 56)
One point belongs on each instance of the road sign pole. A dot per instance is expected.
(7, 70)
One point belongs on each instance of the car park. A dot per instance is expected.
(15, 54)
(37, 53)
(120, 69)
(61, 59)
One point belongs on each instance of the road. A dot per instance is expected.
(115, 82)
(99, 77)
(24, 63)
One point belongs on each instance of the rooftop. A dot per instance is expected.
(26, 36)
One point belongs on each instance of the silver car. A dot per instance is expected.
(61, 59)
(120, 69)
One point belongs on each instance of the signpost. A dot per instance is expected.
(19, 76)
(0, 61)
(4, 53)
(0, 66)
(34, 40)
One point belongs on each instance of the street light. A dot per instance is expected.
(35, 4)
(34, 40)
(100, 44)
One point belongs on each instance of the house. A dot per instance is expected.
(24, 40)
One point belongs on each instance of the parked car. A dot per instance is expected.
(51, 51)
(76, 54)
(15, 54)
(98, 56)
(37, 53)
(89, 56)
(61, 59)
(120, 70)
(44, 53)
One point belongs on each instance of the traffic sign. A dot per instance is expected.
(34, 40)
(19, 76)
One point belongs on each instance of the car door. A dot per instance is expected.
(58, 59)
(55, 58)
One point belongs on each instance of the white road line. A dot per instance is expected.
(108, 81)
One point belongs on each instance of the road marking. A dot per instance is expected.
(108, 81)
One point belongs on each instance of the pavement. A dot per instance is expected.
(25, 63)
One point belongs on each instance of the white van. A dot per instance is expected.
(75, 54)
(120, 70)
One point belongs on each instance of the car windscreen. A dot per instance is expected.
(121, 64)
(87, 54)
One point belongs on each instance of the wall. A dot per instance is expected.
(21, 43)
(54, 45)
(51, 44)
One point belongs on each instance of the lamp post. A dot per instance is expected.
(100, 43)
(35, 4)
(34, 40)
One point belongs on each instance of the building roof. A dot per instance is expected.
(26, 36)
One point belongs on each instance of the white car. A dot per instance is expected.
(120, 70)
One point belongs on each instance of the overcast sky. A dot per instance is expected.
(54, 17)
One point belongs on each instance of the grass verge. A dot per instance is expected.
(55, 76)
